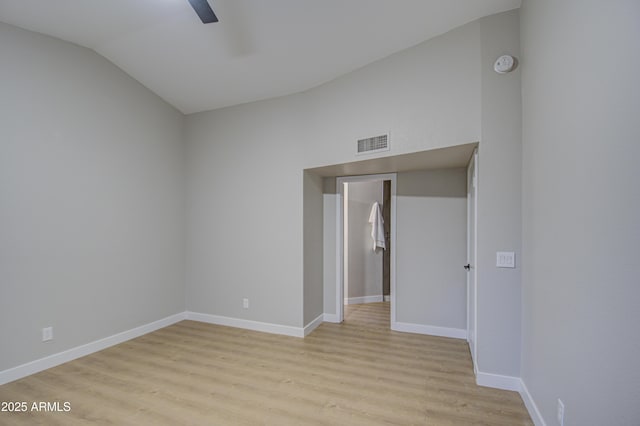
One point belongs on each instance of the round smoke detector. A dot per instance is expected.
(504, 64)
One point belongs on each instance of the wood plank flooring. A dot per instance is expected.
(355, 373)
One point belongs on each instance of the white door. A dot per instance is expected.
(472, 209)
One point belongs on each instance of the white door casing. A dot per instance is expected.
(472, 270)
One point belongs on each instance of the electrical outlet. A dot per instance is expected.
(245, 303)
(47, 334)
(560, 412)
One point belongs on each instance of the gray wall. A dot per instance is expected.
(431, 248)
(119, 226)
(581, 205)
(91, 199)
(427, 96)
(499, 205)
(245, 211)
(313, 249)
(92, 222)
(364, 265)
(329, 224)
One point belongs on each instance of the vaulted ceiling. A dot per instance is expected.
(259, 49)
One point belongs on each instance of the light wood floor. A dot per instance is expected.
(355, 373)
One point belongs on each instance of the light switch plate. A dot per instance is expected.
(505, 259)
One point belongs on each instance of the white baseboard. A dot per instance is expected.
(247, 324)
(313, 324)
(532, 408)
(498, 381)
(364, 299)
(512, 383)
(456, 333)
(387, 298)
(482, 379)
(50, 361)
(330, 318)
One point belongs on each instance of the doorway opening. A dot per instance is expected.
(366, 214)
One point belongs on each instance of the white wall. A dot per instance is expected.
(581, 205)
(91, 199)
(431, 248)
(364, 264)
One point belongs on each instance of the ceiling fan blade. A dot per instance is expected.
(204, 11)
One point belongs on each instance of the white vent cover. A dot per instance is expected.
(373, 144)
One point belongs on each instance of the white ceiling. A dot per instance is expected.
(259, 49)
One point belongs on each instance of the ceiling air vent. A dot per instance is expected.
(373, 144)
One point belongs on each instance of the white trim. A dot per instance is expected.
(313, 325)
(392, 241)
(264, 327)
(473, 345)
(469, 256)
(339, 250)
(431, 330)
(363, 299)
(498, 381)
(476, 175)
(512, 383)
(345, 240)
(537, 418)
(340, 238)
(474, 363)
(330, 318)
(50, 361)
(387, 298)
(482, 379)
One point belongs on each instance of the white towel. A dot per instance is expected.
(377, 226)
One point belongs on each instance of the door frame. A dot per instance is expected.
(472, 332)
(340, 181)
